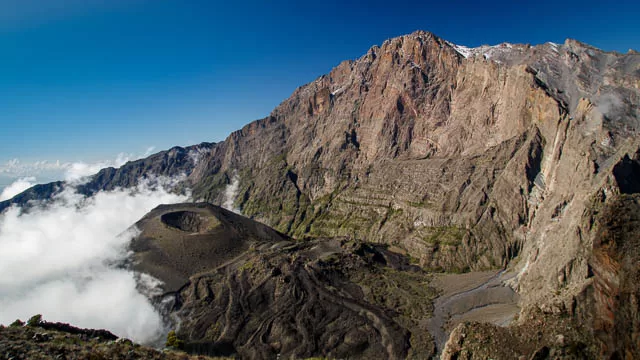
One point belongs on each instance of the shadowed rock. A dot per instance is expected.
(184, 220)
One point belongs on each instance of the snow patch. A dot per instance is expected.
(462, 50)
(554, 46)
(487, 51)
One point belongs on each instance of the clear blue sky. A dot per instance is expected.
(87, 79)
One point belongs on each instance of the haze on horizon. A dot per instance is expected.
(84, 81)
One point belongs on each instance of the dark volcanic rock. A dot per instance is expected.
(179, 241)
(241, 288)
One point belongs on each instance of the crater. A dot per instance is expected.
(188, 221)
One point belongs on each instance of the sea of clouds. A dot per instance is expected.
(26, 174)
(61, 259)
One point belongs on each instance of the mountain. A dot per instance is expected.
(512, 156)
(175, 162)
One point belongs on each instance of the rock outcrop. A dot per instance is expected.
(48, 340)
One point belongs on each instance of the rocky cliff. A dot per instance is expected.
(465, 159)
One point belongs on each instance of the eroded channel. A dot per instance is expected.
(479, 296)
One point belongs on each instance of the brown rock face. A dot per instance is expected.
(466, 163)
(610, 304)
(450, 158)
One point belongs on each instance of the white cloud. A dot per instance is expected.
(149, 151)
(74, 172)
(79, 171)
(197, 154)
(15, 168)
(17, 187)
(58, 261)
(230, 194)
(609, 103)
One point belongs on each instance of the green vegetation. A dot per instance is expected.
(35, 320)
(338, 218)
(409, 294)
(173, 341)
(443, 235)
(67, 341)
(393, 212)
(247, 266)
(283, 213)
(19, 342)
(213, 332)
(211, 186)
(17, 323)
(420, 204)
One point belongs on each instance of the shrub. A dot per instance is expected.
(17, 323)
(173, 341)
(35, 320)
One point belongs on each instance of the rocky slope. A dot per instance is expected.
(47, 340)
(468, 163)
(237, 287)
(467, 159)
(178, 241)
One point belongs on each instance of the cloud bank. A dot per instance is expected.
(68, 171)
(17, 187)
(75, 172)
(58, 260)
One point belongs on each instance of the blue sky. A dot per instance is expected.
(84, 80)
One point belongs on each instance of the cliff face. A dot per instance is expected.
(466, 159)
(461, 161)
(467, 163)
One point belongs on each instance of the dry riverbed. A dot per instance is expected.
(477, 296)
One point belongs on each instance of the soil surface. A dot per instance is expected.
(476, 296)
